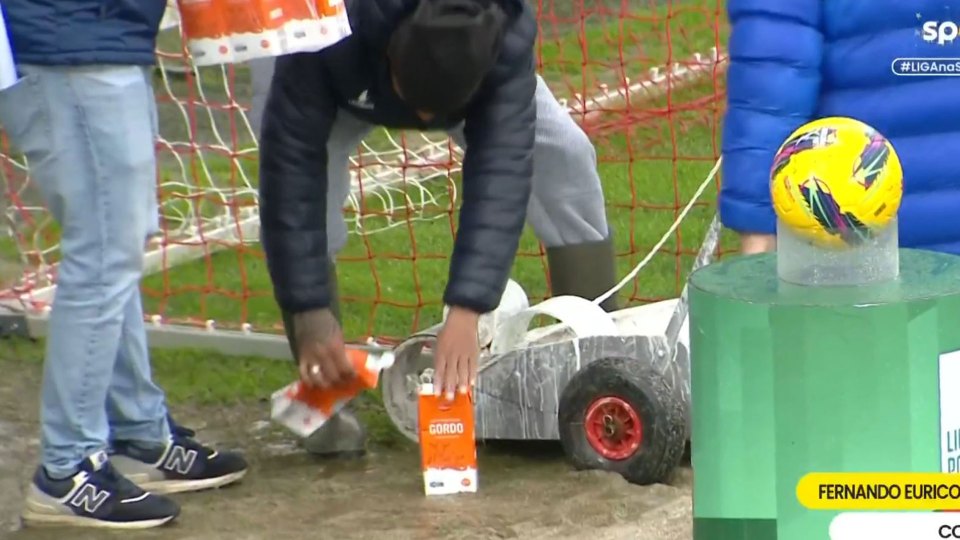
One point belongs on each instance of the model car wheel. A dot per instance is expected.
(399, 383)
(619, 415)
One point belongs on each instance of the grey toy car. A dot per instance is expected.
(614, 388)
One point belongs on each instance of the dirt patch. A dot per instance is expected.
(526, 491)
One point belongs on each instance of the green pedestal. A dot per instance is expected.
(788, 380)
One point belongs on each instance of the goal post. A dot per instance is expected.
(644, 78)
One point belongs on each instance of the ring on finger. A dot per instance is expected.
(314, 369)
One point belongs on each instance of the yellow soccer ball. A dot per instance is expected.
(836, 182)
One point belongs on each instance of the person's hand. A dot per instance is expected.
(458, 348)
(320, 349)
(751, 244)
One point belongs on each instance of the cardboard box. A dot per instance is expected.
(448, 445)
(304, 410)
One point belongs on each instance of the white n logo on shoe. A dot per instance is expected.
(180, 459)
(89, 498)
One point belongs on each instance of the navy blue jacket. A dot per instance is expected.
(83, 32)
(306, 94)
(793, 61)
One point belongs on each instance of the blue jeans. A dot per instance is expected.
(88, 133)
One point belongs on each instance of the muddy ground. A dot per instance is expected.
(526, 491)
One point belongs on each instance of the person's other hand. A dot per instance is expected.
(751, 244)
(458, 348)
(320, 350)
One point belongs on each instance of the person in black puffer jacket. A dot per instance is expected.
(463, 66)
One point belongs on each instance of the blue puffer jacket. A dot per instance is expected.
(797, 60)
(83, 32)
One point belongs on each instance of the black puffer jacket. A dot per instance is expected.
(305, 96)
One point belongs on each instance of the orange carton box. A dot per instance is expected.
(227, 31)
(448, 447)
(304, 410)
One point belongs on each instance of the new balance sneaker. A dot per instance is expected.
(96, 496)
(183, 465)
(179, 430)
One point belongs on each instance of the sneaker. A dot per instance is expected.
(179, 430)
(183, 465)
(97, 496)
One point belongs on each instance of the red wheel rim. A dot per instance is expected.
(613, 428)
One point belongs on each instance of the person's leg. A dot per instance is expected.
(566, 209)
(567, 206)
(145, 447)
(90, 174)
(136, 406)
(343, 435)
(261, 73)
